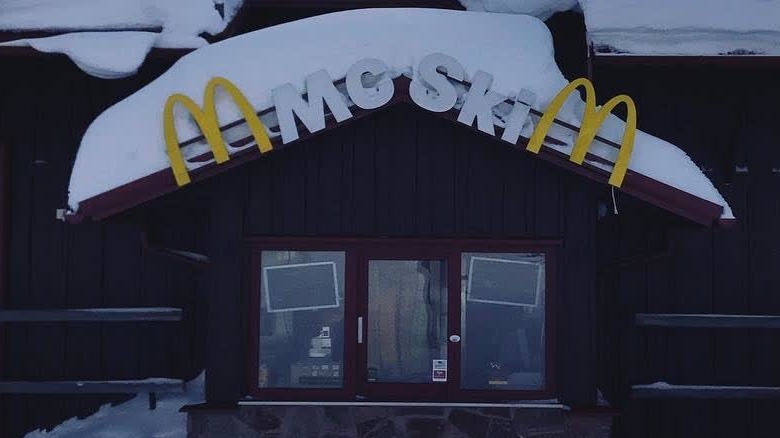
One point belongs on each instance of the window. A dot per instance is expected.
(502, 320)
(401, 319)
(302, 319)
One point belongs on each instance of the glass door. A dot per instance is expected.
(403, 341)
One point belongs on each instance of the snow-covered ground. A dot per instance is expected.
(121, 52)
(126, 142)
(133, 419)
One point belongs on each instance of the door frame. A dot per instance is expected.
(390, 250)
(403, 247)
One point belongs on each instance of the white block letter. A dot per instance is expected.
(518, 116)
(375, 95)
(480, 102)
(320, 88)
(431, 89)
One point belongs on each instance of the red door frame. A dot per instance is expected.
(398, 391)
(358, 250)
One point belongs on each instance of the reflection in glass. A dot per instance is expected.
(301, 319)
(407, 319)
(502, 319)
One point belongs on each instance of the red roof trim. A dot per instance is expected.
(162, 182)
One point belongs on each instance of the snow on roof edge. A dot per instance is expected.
(526, 61)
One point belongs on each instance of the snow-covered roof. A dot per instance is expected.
(690, 27)
(111, 38)
(663, 27)
(541, 9)
(178, 16)
(126, 143)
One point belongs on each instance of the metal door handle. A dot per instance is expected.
(360, 330)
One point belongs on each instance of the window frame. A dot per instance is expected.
(357, 250)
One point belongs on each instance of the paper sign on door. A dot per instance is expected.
(439, 370)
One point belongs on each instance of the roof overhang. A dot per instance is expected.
(163, 182)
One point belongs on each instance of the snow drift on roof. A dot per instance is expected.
(690, 27)
(119, 53)
(126, 142)
(542, 9)
(179, 16)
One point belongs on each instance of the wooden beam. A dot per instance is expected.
(707, 321)
(92, 387)
(5, 227)
(92, 315)
(668, 391)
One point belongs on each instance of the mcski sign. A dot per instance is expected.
(433, 88)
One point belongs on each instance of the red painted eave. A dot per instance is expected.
(158, 184)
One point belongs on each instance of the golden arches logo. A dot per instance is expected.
(592, 120)
(208, 122)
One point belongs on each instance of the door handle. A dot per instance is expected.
(360, 330)
(454, 339)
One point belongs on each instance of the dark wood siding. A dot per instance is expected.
(54, 265)
(405, 173)
(724, 117)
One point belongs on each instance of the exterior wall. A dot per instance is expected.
(395, 421)
(402, 173)
(725, 118)
(55, 265)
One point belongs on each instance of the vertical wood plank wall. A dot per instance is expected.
(46, 103)
(404, 173)
(725, 118)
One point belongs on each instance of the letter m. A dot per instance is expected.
(320, 91)
(592, 119)
(208, 122)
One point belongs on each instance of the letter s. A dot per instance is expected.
(433, 91)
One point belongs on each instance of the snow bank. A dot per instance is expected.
(120, 53)
(542, 9)
(691, 27)
(126, 142)
(133, 419)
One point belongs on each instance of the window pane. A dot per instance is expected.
(502, 321)
(302, 319)
(407, 319)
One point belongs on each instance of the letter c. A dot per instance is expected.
(383, 89)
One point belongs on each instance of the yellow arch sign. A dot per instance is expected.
(208, 122)
(592, 120)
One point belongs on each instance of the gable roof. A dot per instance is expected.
(506, 54)
(162, 182)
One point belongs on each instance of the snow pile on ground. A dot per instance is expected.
(119, 53)
(542, 9)
(133, 419)
(126, 142)
(690, 27)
